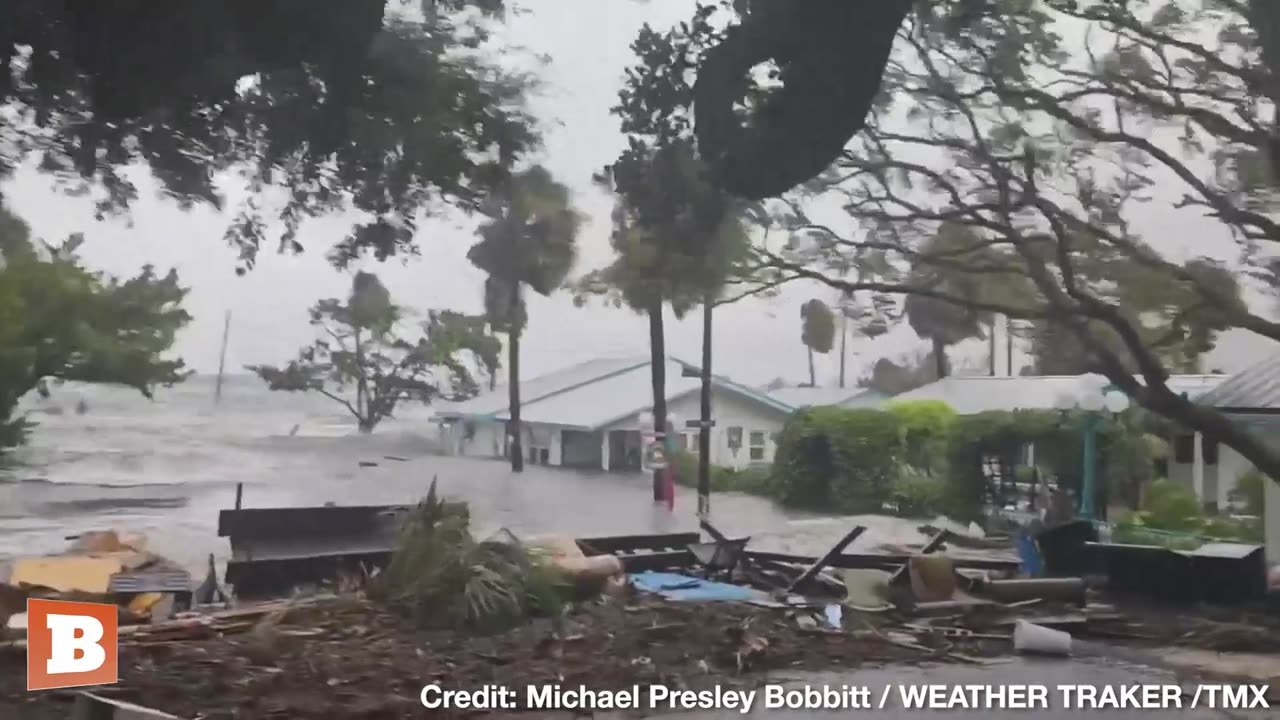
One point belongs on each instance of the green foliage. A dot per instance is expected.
(62, 322)
(447, 579)
(362, 353)
(1172, 516)
(818, 327)
(351, 105)
(943, 322)
(530, 240)
(895, 378)
(926, 431)
(753, 480)
(1250, 493)
(918, 494)
(678, 237)
(1172, 506)
(837, 460)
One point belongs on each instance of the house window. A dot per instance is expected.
(734, 437)
(756, 449)
(691, 442)
(1210, 450)
(1184, 449)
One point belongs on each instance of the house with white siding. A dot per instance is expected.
(589, 416)
(1250, 397)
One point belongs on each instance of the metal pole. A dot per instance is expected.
(1089, 471)
(704, 426)
(222, 357)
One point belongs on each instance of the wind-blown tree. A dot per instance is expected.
(1045, 156)
(60, 321)
(942, 323)
(870, 319)
(817, 332)
(830, 56)
(351, 105)
(530, 241)
(678, 237)
(364, 362)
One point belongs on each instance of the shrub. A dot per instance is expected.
(925, 426)
(445, 578)
(1171, 506)
(1250, 493)
(837, 459)
(918, 494)
(753, 479)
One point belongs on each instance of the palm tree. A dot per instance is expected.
(940, 322)
(530, 240)
(817, 331)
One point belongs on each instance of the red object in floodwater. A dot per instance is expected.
(671, 489)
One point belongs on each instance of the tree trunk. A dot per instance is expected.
(658, 371)
(1008, 346)
(991, 346)
(515, 430)
(812, 378)
(940, 358)
(844, 333)
(704, 430)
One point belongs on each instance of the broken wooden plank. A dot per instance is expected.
(817, 565)
(934, 543)
(883, 561)
(633, 543)
(95, 707)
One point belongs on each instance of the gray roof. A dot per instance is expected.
(800, 397)
(535, 388)
(969, 395)
(1257, 387)
(597, 394)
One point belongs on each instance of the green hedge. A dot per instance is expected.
(753, 480)
(838, 460)
(920, 458)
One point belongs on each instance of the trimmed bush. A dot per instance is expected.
(753, 480)
(1250, 493)
(925, 428)
(837, 459)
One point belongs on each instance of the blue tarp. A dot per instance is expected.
(673, 586)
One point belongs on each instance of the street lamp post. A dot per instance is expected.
(1094, 396)
(663, 436)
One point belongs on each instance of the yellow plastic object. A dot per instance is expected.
(142, 604)
(933, 578)
(85, 573)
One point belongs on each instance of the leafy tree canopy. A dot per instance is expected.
(339, 105)
(364, 362)
(62, 322)
(530, 240)
(1044, 155)
(818, 327)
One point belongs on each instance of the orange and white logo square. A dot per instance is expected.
(71, 644)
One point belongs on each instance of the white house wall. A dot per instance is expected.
(729, 409)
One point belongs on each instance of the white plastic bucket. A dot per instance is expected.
(1031, 638)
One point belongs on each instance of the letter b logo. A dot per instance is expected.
(71, 644)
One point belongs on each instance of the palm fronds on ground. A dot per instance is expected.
(446, 578)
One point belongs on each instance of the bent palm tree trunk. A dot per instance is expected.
(513, 399)
(658, 365)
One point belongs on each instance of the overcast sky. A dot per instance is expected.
(587, 43)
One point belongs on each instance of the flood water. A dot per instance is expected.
(166, 467)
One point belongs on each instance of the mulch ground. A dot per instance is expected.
(348, 659)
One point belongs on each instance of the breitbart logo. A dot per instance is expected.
(71, 644)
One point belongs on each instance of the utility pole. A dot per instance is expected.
(222, 358)
(704, 424)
